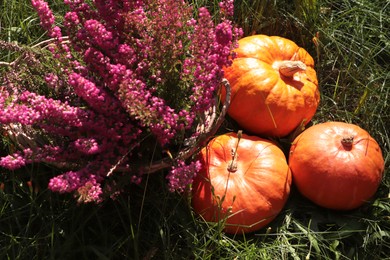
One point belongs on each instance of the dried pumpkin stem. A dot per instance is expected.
(233, 164)
(347, 141)
(288, 67)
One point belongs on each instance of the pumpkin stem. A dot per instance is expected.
(288, 67)
(347, 141)
(233, 164)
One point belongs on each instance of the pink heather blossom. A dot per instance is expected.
(136, 179)
(51, 80)
(48, 23)
(211, 48)
(227, 8)
(98, 35)
(150, 110)
(224, 36)
(85, 185)
(131, 74)
(181, 175)
(87, 146)
(67, 182)
(56, 33)
(45, 14)
(89, 192)
(13, 162)
(97, 97)
(71, 19)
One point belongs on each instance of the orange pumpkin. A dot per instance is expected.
(274, 86)
(244, 180)
(336, 165)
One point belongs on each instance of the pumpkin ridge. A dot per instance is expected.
(260, 102)
(251, 200)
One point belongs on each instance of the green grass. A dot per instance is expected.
(149, 222)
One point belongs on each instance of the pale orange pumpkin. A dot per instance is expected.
(336, 165)
(244, 179)
(274, 87)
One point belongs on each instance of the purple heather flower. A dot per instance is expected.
(67, 182)
(87, 146)
(89, 192)
(227, 7)
(13, 162)
(181, 175)
(121, 66)
(45, 14)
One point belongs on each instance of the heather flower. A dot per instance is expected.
(181, 175)
(98, 35)
(67, 182)
(96, 97)
(45, 14)
(227, 8)
(87, 146)
(224, 36)
(89, 192)
(51, 80)
(131, 74)
(13, 162)
(48, 23)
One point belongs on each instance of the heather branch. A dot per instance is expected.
(3, 63)
(40, 45)
(46, 43)
(208, 129)
(129, 76)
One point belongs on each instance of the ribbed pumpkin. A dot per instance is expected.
(274, 86)
(244, 179)
(336, 165)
